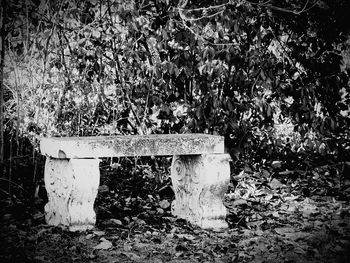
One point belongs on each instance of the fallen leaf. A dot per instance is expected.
(283, 230)
(291, 198)
(99, 233)
(115, 221)
(239, 202)
(274, 184)
(307, 212)
(291, 208)
(268, 197)
(104, 245)
(139, 245)
(127, 247)
(275, 214)
(160, 211)
(265, 173)
(132, 256)
(178, 254)
(89, 236)
(287, 172)
(241, 175)
(186, 236)
(276, 164)
(308, 209)
(164, 204)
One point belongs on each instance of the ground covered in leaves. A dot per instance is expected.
(282, 211)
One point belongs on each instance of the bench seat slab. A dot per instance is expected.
(72, 186)
(131, 145)
(200, 183)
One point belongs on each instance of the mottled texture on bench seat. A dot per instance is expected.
(131, 145)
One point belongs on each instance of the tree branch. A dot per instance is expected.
(285, 10)
(2, 66)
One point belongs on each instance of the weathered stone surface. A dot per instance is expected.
(200, 182)
(72, 187)
(200, 175)
(131, 145)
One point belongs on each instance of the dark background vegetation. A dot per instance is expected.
(271, 76)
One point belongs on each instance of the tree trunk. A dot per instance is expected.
(2, 64)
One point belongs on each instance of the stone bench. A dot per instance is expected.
(200, 175)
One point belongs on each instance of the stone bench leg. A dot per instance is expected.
(72, 186)
(200, 183)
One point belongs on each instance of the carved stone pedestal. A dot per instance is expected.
(72, 186)
(200, 182)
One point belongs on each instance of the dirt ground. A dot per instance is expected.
(274, 216)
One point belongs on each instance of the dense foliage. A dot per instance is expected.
(272, 76)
